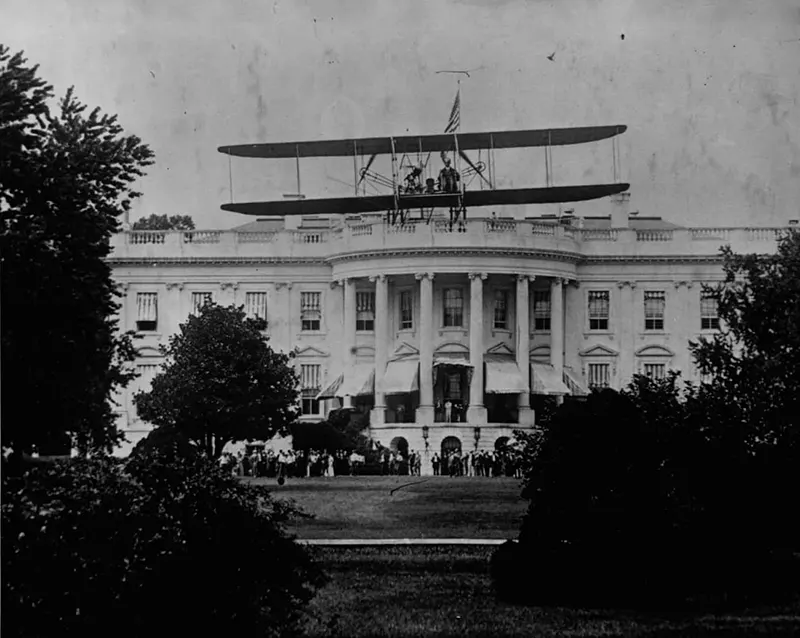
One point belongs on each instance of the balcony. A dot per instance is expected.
(368, 236)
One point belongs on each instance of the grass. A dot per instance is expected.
(405, 507)
(446, 591)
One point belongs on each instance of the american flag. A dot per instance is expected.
(455, 115)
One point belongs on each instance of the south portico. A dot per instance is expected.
(447, 367)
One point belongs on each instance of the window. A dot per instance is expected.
(454, 308)
(709, 319)
(146, 311)
(147, 373)
(654, 303)
(500, 309)
(309, 387)
(598, 309)
(541, 310)
(310, 313)
(255, 305)
(365, 311)
(599, 375)
(406, 310)
(454, 386)
(655, 371)
(199, 299)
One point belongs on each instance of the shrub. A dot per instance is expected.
(159, 545)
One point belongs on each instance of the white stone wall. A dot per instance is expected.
(624, 262)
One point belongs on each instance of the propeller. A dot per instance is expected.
(365, 169)
(479, 171)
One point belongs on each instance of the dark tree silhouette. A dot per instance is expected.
(162, 222)
(66, 177)
(222, 382)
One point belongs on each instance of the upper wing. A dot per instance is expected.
(346, 205)
(426, 143)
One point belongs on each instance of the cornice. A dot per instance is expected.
(651, 259)
(214, 261)
(455, 252)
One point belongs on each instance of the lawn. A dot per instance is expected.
(446, 591)
(405, 507)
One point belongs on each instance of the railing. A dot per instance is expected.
(703, 234)
(653, 235)
(202, 237)
(599, 234)
(265, 237)
(472, 233)
(146, 236)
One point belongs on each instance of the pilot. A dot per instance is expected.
(412, 180)
(448, 178)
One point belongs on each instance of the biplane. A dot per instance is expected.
(418, 190)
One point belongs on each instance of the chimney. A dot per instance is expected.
(620, 205)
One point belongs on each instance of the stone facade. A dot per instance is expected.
(383, 317)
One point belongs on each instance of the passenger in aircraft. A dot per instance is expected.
(448, 178)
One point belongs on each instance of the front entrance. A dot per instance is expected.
(451, 456)
(451, 393)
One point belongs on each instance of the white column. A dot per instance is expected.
(526, 415)
(623, 323)
(425, 409)
(378, 416)
(476, 412)
(349, 327)
(557, 327)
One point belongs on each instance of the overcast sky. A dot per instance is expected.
(709, 90)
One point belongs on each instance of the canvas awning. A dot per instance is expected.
(402, 377)
(503, 376)
(575, 383)
(358, 381)
(329, 391)
(451, 359)
(545, 380)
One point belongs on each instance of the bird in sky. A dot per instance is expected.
(552, 57)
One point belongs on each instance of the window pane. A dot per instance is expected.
(199, 299)
(453, 308)
(709, 319)
(406, 310)
(255, 305)
(310, 312)
(500, 309)
(598, 309)
(541, 310)
(654, 306)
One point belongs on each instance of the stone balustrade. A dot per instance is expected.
(372, 235)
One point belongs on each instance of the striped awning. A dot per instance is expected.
(329, 392)
(503, 376)
(451, 359)
(402, 377)
(545, 380)
(358, 381)
(575, 383)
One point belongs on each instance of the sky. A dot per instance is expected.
(708, 89)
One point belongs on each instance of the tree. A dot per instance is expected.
(65, 179)
(162, 222)
(752, 367)
(753, 362)
(222, 382)
(176, 544)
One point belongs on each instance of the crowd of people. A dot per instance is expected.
(484, 463)
(260, 463)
